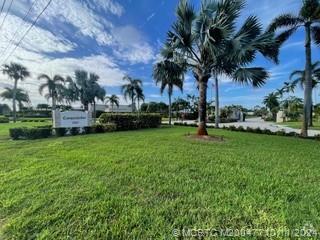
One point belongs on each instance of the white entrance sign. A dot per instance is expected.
(71, 119)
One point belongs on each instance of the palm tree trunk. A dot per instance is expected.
(217, 117)
(94, 110)
(111, 107)
(311, 115)
(308, 83)
(170, 109)
(53, 103)
(14, 107)
(203, 85)
(132, 106)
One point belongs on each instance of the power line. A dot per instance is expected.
(4, 2)
(16, 32)
(4, 19)
(28, 30)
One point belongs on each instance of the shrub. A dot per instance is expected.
(98, 128)
(4, 119)
(74, 131)
(281, 133)
(110, 127)
(241, 129)
(30, 133)
(60, 132)
(131, 121)
(88, 130)
(16, 133)
(317, 137)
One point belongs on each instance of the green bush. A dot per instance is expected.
(16, 133)
(60, 132)
(131, 121)
(102, 128)
(88, 130)
(4, 119)
(74, 131)
(30, 133)
(110, 127)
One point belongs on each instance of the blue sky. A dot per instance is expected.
(118, 37)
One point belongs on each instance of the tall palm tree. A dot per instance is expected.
(17, 73)
(21, 96)
(202, 37)
(54, 86)
(70, 91)
(113, 100)
(139, 96)
(271, 101)
(96, 92)
(169, 75)
(129, 90)
(308, 18)
(297, 77)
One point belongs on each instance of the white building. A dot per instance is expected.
(108, 108)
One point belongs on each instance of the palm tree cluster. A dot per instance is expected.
(307, 19)
(133, 90)
(17, 73)
(84, 88)
(208, 43)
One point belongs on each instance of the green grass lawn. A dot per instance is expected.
(143, 184)
(297, 125)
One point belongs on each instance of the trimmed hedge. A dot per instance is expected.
(30, 133)
(4, 119)
(253, 130)
(131, 121)
(103, 128)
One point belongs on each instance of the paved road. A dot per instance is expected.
(260, 123)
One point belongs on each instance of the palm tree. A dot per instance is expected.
(54, 86)
(70, 91)
(169, 75)
(21, 96)
(129, 90)
(298, 78)
(293, 106)
(15, 72)
(309, 19)
(96, 92)
(271, 101)
(139, 96)
(202, 38)
(113, 100)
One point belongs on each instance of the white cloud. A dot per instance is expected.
(131, 46)
(109, 72)
(80, 16)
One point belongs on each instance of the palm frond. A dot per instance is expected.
(283, 21)
(254, 76)
(316, 34)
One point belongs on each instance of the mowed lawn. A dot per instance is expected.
(143, 184)
(298, 125)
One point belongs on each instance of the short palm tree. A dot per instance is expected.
(129, 90)
(201, 38)
(21, 96)
(113, 100)
(169, 75)
(54, 87)
(309, 19)
(271, 101)
(17, 73)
